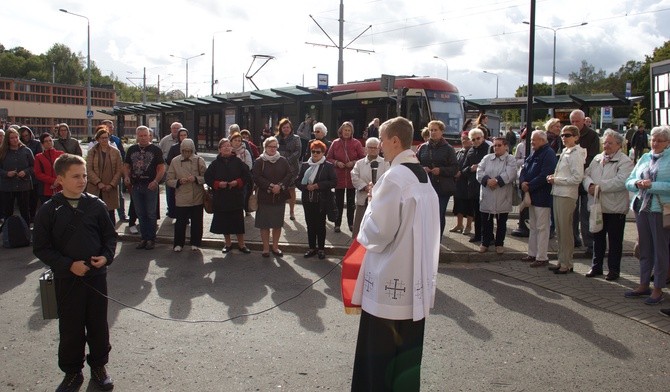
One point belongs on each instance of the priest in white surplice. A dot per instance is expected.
(396, 284)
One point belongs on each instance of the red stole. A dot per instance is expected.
(351, 265)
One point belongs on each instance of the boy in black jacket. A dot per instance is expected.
(74, 235)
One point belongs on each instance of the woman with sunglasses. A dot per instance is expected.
(475, 155)
(316, 180)
(568, 175)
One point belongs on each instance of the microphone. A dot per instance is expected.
(374, 165)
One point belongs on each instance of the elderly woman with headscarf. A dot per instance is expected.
(273, 176)
(186, 175)
(104, 168)
(608, 172)
(316, 180)
(650, 179)
(227, 175)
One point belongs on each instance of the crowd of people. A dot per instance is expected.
(570, 174)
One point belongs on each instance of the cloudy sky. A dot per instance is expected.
(468, 37)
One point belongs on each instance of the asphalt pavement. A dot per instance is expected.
(205, 321)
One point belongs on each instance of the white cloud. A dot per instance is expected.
(473, 36)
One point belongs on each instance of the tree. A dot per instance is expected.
(586, 80)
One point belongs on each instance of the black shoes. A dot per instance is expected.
(474, 239)
(310, 253)
(71, 382)
(101, 379)
(244, 249)
(141, 245)
(520, 233)
(226, 249)
(665, 312)
(612, 276)
(593, 273)
(337, 229)
(322, 254)
(150, 245)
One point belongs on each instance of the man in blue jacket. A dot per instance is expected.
(533, 179)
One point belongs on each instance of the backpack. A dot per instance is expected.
(15, 232)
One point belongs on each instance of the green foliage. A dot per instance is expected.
(637, 115)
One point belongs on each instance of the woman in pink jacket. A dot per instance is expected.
(343, 153)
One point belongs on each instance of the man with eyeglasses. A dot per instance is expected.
(364, 175)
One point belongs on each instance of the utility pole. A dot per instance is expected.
(340, 46)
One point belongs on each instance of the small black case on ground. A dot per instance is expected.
(48, 295)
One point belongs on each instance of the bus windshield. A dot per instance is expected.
(448, 109)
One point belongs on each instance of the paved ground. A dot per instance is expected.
(204, 321)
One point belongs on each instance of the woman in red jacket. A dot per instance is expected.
(343, 153)
(44, 167)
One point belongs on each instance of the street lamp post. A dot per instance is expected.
(187, 59)
(496, 75)
(445, 64)
(213, 80)
(555, 29)
(89, 112)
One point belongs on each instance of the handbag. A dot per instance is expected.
(596, 214)
(516, 196)
(666, 213)
(327, 205)
(252, 205)
(208, 200)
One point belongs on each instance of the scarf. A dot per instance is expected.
(271, 159)
(240, 151)
(649, 173)
(310, 173)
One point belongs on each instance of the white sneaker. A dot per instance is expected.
(193, 247)
(133, 230)
(177, 248)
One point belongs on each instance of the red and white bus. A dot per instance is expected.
(419, 99)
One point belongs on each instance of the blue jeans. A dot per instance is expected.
(145, 202)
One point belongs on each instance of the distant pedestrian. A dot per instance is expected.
(66, 142)
(533, 179)
(609, 171)
(272, 175)
(289, 148)
(343, 153)
(44, 167)
(316, 180)
(144, 168)
(186, 174)
(462, 202)
(105, 169)
(305, 133)
(363, 178)
(16, 168)
(165, 145)
(438, 159)
(497, 173)
(227, 176)
(639, 142)
(565, 180)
